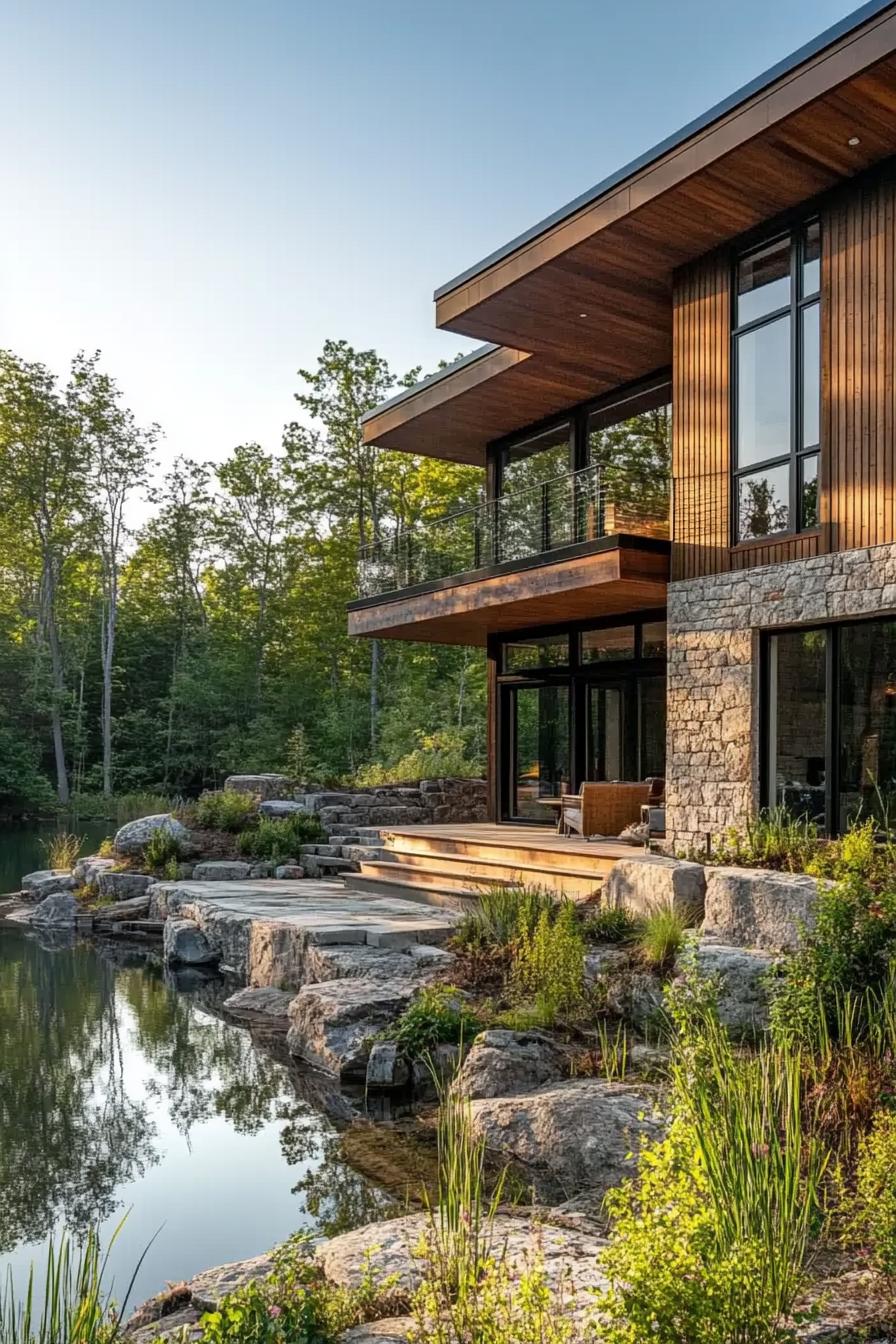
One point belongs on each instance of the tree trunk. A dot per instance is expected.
(48, 605)
(374, 692)
(107, 644)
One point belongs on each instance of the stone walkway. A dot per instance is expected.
(325, 911)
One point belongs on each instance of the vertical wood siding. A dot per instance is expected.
(857, 503)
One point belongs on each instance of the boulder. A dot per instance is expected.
(387, 1067)
(741, 973)
(289, 872)
(753, 907)
(333, 1024)
(185, 944)
(59, 909)
(137, 907)
(394, 1330)
(635, 995)
(263, 869)
(572, 1136)
(655, 883)
(280, 807)
(566, 1255)
(87, 870)
(217, 870)
(209, 1287)
(175, 1327)
(47, 882)
(267, 1005)
(123, 886)
(504, 1063)
(264, 787)
(133, 836)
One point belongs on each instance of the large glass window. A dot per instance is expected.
(777, 386)
(867, 720)
(797, 694)
(536, 460)
(543, 651)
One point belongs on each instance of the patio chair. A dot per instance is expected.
(603, 807)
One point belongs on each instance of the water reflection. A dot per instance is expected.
(116, 1091)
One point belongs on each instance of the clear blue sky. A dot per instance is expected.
(208, 189)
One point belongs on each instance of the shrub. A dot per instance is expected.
(773, 839)
(611, 926)
(848, 952)
(660, 938)
(160, 850)
(502, 914)
(278, 839)
(107, 848)
(436, 1016)
(873, 1219)
(226, 810)
(854, 854)
(436, 756)
(550, 964)
(63, 849)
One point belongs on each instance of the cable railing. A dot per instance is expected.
(579, 506)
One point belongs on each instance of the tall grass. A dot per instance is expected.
(661, 937)
(503, 913)
(75, 1307)
(63, 849)
(772, 839)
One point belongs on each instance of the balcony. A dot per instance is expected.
(528, 557)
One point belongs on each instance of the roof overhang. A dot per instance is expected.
(582, 303)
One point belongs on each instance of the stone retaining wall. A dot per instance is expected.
(714, 623)
(431, 801)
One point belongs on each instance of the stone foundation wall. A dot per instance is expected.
(714, 624)
(429, 802)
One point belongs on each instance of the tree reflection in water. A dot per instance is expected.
(70, 1134)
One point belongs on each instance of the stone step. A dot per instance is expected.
(332, 851)
(325, 865)
(357, 853)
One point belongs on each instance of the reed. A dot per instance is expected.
(63, 849)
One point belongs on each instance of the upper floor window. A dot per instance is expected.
(537, 459)
(776, 353)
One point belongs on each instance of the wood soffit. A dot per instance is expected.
(585, 304)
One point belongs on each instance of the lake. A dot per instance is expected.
(121, 1094)
(22, 845)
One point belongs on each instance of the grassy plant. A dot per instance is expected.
(611, 926)
(160, 849)
(226, 810)
(63, 849)
(277, 839)
(550, 964)
(661, 937)
(504, 913)
(773, 839)
(436, 1016)
(106, 848)
(613, 1049)
(76, 1307)
(122, 807)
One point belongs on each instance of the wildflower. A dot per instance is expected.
(275, 1312)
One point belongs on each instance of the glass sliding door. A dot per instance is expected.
(610, 735)
(539, 756)
(796, 716)
(866, 717)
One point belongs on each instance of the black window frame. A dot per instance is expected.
(798, 454)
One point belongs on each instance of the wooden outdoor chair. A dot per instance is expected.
(603, 807)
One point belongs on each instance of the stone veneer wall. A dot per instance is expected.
(429, 802)
(714, 623)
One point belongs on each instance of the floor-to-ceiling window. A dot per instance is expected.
(585, 702)
(830, 709)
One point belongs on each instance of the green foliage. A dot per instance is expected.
(660, 938)
(300, 765)
(226, 810)
(502, 914)
(873, 1207)
(440, 755)
(276, 838)
(63, 849)
(610, 926)
(848, 952)
(122, 807)
(549, 968)
(160, 850)
(438, 1015)
(773, 839)
(853, 854)
(296, 1304)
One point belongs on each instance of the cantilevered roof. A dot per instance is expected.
(582, 302)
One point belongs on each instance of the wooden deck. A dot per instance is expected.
(452, 864)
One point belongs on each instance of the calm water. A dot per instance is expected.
(22, 850)
(119, 1092)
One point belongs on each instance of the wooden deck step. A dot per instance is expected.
(539, 853)
(577, 879)
(410, 890)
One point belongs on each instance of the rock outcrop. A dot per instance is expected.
(131, 838)
(642, 885)
(267, 1005)
(47, 882)
(571, 1136)
(742, 975)
(753, 907)
(333, 1024)
(221, 870)
(263, 786)
(505, 1063)
(122, 886)
(59, 909)
(186, 945)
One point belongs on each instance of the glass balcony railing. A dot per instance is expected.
(580, 506)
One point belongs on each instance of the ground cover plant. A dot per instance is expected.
(772, 839)
(278, 839)
(437, 1016)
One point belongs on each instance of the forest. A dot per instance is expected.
(164, 625)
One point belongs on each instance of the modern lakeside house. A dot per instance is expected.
(684, 563)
